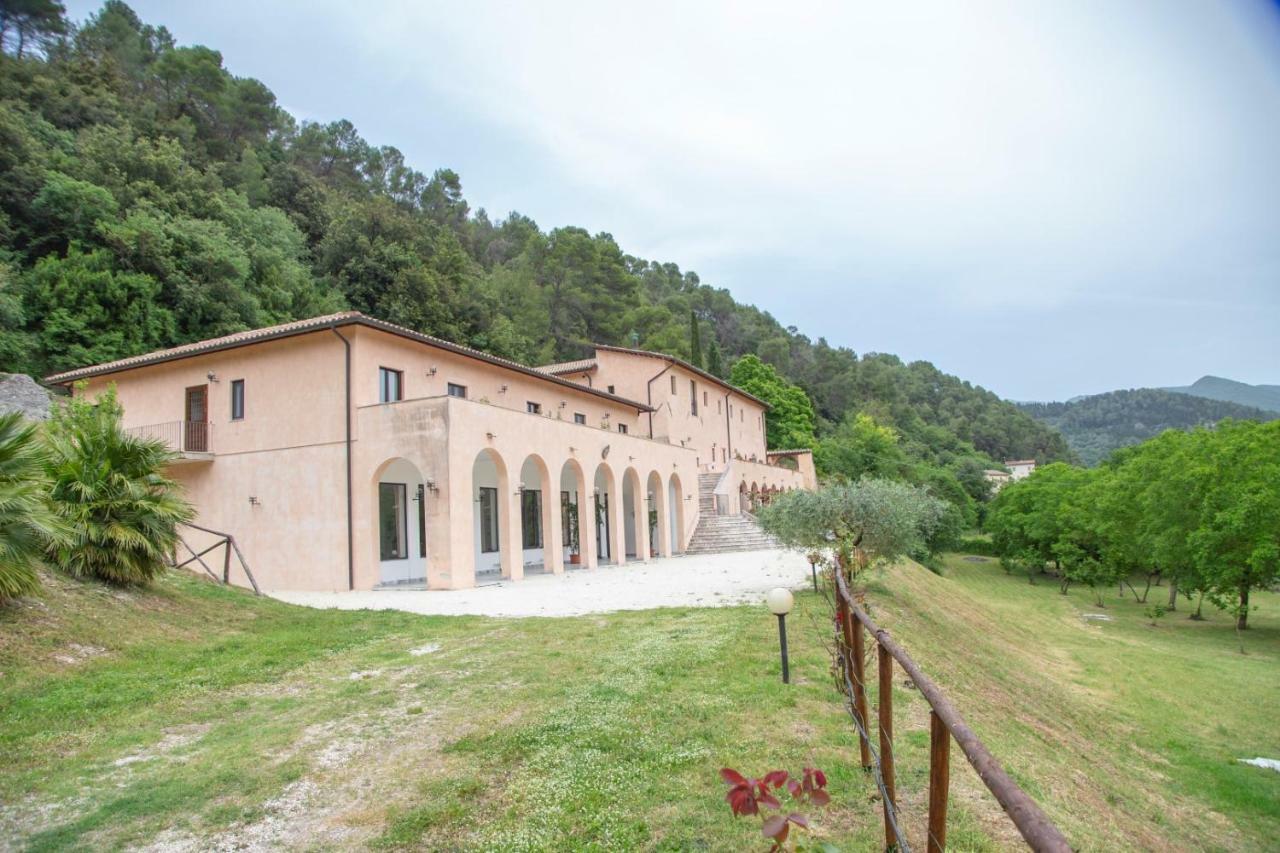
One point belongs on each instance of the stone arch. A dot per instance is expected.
(495, 554)
(576, 501)
(675, 511)
(399, 497)
(656, 498)
(635, 520)
(539, 516)
(607, 523)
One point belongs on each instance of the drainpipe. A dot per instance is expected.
(648, 390)
(351, 545)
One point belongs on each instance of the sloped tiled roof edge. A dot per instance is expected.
(687, 366)
(582, 365)
(317, 324)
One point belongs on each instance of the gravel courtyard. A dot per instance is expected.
(706, 580)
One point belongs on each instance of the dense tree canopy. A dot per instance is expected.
(1097, 425)
(150, 197)
(1201, 508)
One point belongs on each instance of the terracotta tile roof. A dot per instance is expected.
(687, 366)
(582, 365)
(1009, 462)
(315, 324)
(224, 342)
(795, 452)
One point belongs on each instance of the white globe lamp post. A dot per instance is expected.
(780, 601)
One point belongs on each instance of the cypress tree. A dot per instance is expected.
(713, 359)
(695, 340)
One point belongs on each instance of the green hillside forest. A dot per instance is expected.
(1230, 391)
(150, 197)
(1095, 426)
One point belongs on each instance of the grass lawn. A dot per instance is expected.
(189, 714)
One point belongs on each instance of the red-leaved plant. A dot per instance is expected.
(747, 796)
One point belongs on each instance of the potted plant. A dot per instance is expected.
(653, 531)
(571, 532)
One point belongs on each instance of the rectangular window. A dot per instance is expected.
(237, 399)
(533, 408)
(579, 418)
(742, 416)
(693, 397)
(673, 384)
(488, 520)
(459, 391)
(392, 522)
(531, 517)
(718, 408)
(704, 398)
(390, 385)
(610, 389)
(622, 428)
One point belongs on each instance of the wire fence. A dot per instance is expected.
(850, 653)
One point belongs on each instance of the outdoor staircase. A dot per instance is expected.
(720, 534)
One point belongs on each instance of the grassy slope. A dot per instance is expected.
(209, 712)
(1127, 734)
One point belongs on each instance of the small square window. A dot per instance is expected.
(237, 399)
(610, 389)
(533, 408)
(390, 385)
(579, 418)
(459, 391)
(673, 385)
(622, 428)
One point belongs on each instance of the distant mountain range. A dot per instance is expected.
(1229, 391)
(1096, 425)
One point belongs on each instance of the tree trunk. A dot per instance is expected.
(1199, 607)
(1173, 594)
(1242, 618)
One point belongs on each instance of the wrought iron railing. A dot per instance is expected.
(179, 436)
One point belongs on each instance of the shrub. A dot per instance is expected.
(28, 527)
(975, 545)
(110, 489)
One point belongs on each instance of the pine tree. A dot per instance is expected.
(695, 341)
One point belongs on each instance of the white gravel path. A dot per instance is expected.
(707, 580)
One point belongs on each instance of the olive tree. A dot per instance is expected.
(864, 524)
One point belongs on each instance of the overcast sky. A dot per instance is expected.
(1047, 199)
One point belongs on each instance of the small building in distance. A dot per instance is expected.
(998, 479)
(1020, 469)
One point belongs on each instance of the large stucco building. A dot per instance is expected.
(344, 452)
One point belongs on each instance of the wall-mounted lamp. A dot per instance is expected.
(520, 491)
(211, 376)
(490, 436)
(503, 389)
(431, 371)
(563, 404)
(605, 416)
(573, 450)
(431, 486)
(253, 501)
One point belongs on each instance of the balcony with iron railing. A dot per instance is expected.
(189, 439)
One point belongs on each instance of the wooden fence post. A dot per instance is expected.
(939, 782)
(886, 742)
(852, 659)
(859, 653)
(226, 563)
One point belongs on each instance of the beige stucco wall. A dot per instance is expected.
(287, 453)
(727, 425)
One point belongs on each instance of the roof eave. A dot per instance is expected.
(70, 377)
